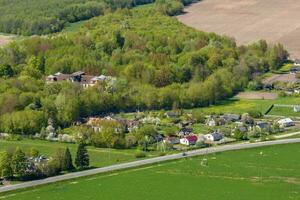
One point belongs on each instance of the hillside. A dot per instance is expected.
(158, 63)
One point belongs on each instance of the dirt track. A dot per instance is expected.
(257, 95)
(249, 20)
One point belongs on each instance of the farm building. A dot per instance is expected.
(189, 140)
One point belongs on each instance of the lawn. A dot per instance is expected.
(263, 173)
(98, 156)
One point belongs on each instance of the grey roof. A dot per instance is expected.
(217, 136)
(262, 124)
(79, 73)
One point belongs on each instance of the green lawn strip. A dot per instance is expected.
(261, 173)
(99, 157)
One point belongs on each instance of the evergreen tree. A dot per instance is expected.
(5, 165)
(19, 163)
(67, 162)
(82, 157)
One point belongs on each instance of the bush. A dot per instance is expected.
(140, 155)
(162, 154)
(254, 85)
(255, 113)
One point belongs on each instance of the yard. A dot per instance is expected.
(263, 173)
(98, 156)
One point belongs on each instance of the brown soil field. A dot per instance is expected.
(285, 78)
(249, 20)
(256, 95)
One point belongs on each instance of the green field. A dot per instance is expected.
(242, 105)
(282, 111)
(98, 156)
(264, 173)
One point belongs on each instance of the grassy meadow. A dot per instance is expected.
(282, 111)
(240, 106)
(262, 173)
(99, 157)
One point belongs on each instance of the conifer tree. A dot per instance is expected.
(67, 163)
(82, 157)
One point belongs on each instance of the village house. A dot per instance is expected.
(171, 114)
(212, 137)
(185, 131)
(262, 125)
(120, 123)
(171, 140)
(287, 122)
(231, 117)
(241, 127)
(215, 121)
(189, 140)
(79, 77)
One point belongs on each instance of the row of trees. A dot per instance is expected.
(18, 165)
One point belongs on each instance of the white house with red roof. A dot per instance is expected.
(189, 140)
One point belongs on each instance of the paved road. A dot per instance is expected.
(145, 162)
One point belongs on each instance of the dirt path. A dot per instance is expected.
(249, 20)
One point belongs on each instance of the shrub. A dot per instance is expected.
(255, 113)
(140, 155)
(162, 154)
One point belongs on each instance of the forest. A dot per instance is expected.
(40, 17)
(158, 63)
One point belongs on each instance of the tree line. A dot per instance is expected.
(17, 165)
(36, 17)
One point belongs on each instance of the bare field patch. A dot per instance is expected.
(285, 78)
(257, 95)
(5, 40)
(249, 20)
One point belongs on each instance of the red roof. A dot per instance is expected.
(191, 138)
